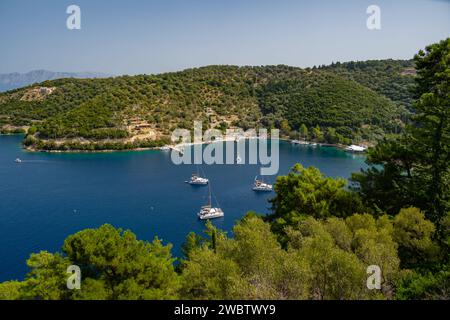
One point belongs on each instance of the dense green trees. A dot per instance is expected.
(392, 78)
(248, 97)
(303, 132)
(50, 145)
(307, 192)
(321, 100)
(114, 265)
(413, 169)
(11, 290)
(122, 266)
(323, 259)
(431, 133)
(414, 235)
(429, 285)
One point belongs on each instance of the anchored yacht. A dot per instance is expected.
(260, 185)
(208, 212)
(196, 179)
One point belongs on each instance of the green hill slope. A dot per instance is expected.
(141, 111)
(391, 78)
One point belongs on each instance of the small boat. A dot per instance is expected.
(260, 185)
(197, 180)
(18, 160)
(300, 142)
(355, 148)
(165, 148)
(208, 212)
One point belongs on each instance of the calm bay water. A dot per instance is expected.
(50, 196)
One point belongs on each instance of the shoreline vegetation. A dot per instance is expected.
(158, 145)
(18, 131)
(161, 145)
(334, 105)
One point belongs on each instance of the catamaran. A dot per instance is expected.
(208, 212)
(260, 185)
(196, 179)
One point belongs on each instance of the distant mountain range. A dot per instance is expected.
(9, 81)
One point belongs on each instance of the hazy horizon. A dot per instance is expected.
(187, 68)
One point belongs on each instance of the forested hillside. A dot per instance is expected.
(391, 78)
(133, 111)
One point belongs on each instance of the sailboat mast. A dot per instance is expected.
(210, 204)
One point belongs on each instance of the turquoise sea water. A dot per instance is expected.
(50, 196)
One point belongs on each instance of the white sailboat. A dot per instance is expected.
(208, 212)
(196, 179)
(260, 185)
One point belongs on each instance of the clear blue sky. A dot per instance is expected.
(152, 36)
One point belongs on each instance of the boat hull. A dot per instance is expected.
(198, 183)
(262, 189)
(208, 217)
(212, 214)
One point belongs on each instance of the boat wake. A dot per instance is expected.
(32, 161)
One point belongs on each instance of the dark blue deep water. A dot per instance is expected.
(50, 196)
